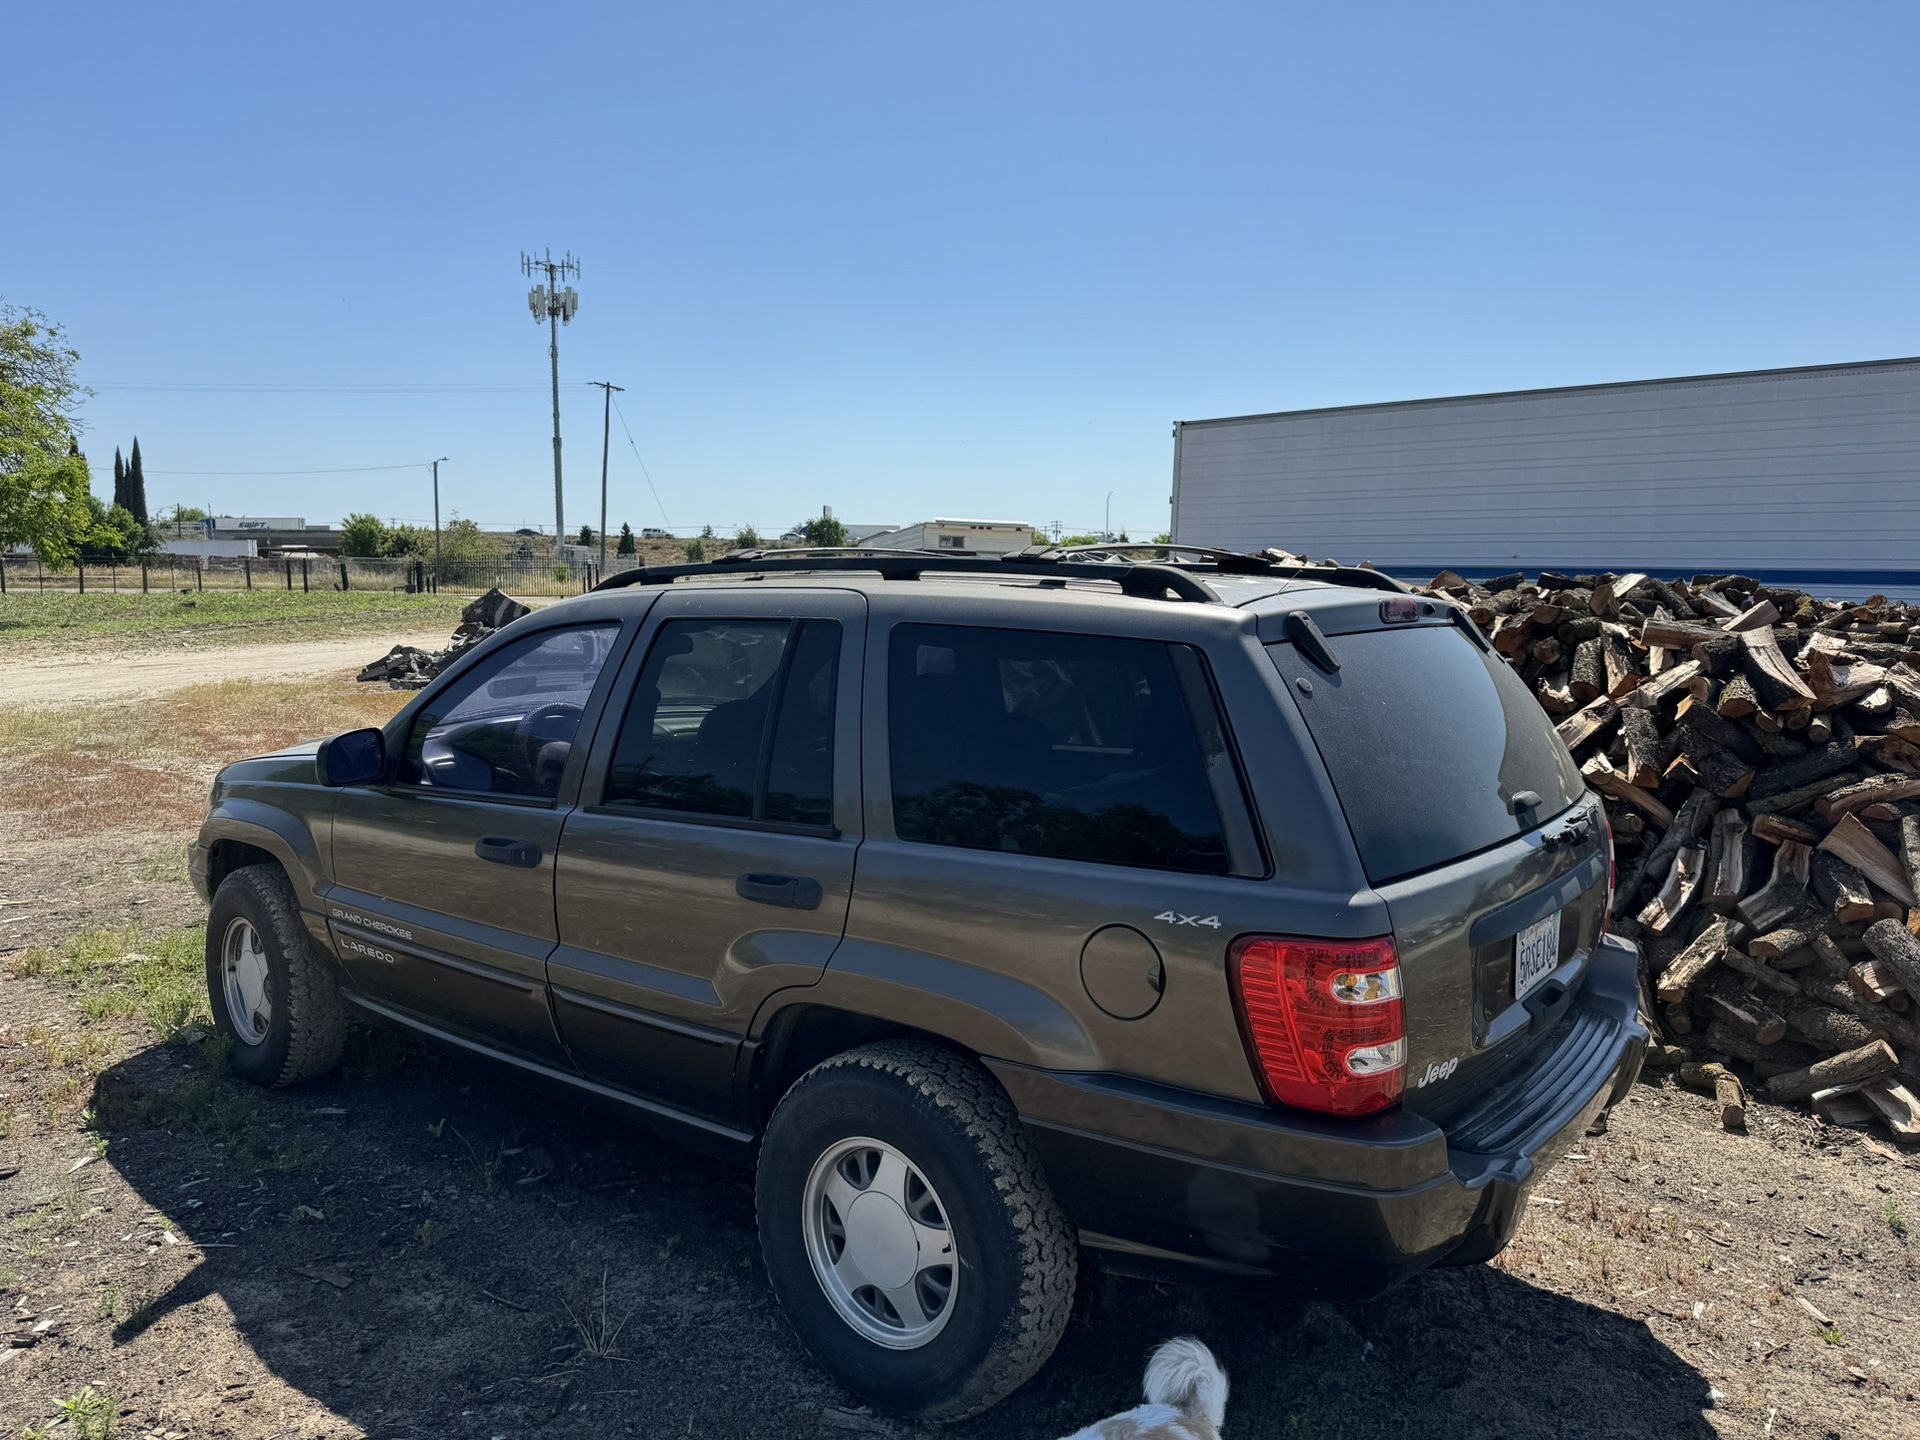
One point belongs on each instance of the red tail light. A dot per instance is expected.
(1323, 1021)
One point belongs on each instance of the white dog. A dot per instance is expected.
(1186, 1399)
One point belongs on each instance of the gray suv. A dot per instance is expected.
(1206, 912)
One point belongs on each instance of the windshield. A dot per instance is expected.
(1427, 739)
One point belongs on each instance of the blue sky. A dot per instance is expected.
(907, 259)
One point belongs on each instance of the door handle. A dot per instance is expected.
(794, 891)
(502, 850)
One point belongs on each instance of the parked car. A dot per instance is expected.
(653, 532)
(1219, 916)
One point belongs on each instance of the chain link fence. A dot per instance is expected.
(25, 574)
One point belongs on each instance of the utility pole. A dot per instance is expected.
(555, 306)
(1106, 533)
(436, 519)
(606, 416)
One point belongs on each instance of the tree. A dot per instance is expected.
(823, 532)
(1071, 540)
(407, 540)
(116, 536)
(748, 538)
(706, 532)
(119, 478)
(363, 535)
(696, 550)
(44, 482)
(189, 515)
(136, 500)
(1165, 537)
(626, 545)
(586, 535)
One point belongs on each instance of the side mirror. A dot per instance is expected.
(358, 757)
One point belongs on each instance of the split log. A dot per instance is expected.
(1794, 933)
(1589, 721)
(1644, 750)
(1769, 1060)
(1759, 974)
(1683, 829)
(1910, 853)
(1678, 634)
(1842, 1105)
(1744, 1014)
(1855, 844)
(1896, 948)
(1697, 715)
(1601, 776)
(1700, 758)
(1841, 888)
(1777, 683)
(1624, 671)
(1692, 962)
(1828, 958)
(1875, 980)
(1812, 766)
(1757, 616)
(1608, 594)
(1869, 1062)
(1728, 851)
(1737, 698)
(1787, 799)
(1785, 890)
(1896, 1105)
(1589, 671)
(1677, 891)
(1775, 829)
(1878, 789)
(1728, 1093)
(1666, 683)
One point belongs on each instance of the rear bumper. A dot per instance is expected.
(1244, 1190)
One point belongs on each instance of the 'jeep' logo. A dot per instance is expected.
(1437, 1072)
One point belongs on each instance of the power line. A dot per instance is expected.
(274, 387)
(643, 464)
(343, 470)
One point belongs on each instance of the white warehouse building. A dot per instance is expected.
(1807, 477)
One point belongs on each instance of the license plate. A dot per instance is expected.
(1536, 955)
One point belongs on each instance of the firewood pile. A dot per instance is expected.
(408, 667)
(1758, 752)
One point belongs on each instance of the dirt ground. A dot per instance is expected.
(143, 672)
(418, 1246)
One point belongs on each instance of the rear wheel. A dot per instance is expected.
(271, 991)
(909, 1233)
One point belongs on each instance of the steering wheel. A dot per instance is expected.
(555, 720)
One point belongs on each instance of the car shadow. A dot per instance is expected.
(423, 1245)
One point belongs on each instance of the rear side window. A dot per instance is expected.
(1427, 739)
(1080, 747)
(733, 718)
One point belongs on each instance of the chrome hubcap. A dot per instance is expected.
(879, 1242)
(243, 970)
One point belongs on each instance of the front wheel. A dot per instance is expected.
(909, 1233)
(271, 991)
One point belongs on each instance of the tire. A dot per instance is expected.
(300, 1031)
(1010, 1289)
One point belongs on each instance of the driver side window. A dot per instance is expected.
(507, 726)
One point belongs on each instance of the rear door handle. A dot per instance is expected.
(502, 850)
(794, 891)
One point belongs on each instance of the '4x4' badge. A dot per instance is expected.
(1206, 922)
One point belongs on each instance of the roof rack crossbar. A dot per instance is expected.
(1143, 581)
(1236, 562)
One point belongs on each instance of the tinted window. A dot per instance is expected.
(507, 726)
(1427, 738)
(1075, 746)
(696, 736)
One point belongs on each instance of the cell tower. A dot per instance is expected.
(557, 307)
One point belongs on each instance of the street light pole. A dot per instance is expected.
(436, 520)
(1107, 532)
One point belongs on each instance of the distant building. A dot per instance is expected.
(980, 537)
(211, 549)
(271, 533)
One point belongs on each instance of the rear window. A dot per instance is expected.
(1427, 739)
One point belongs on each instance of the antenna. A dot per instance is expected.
(556, 307)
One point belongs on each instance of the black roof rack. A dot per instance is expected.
(1143, 580)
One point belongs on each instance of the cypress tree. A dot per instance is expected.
(626, 546)
(136, 500)
(119, 478)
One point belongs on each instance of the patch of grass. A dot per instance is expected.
(86, 1416)
(167, 865)
(55, 1213)
(594, 1322)
(216, 617)
(1831, 1334)
(127, 972)
(428, 1234)
(1895, 1217)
